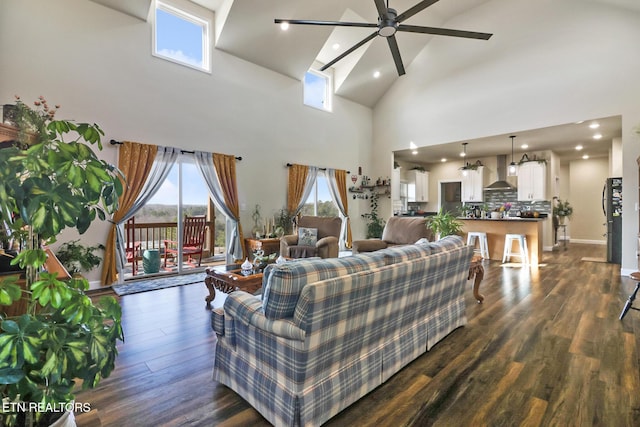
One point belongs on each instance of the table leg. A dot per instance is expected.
(208, 281)
(477, 272)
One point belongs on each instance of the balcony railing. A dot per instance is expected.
(151, 235)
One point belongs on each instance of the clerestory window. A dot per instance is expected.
(317, 90)
(182, 33)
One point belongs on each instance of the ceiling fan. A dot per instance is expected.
(389, 22)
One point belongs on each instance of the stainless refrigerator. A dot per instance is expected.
(612, 207)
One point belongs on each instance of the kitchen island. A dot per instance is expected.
(496, 229)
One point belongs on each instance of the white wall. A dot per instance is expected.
(97, 64)
(549, 63)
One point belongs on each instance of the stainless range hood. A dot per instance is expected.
(501, 183)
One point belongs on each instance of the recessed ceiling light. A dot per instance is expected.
(579, 147)
(580, 122)
(524, 146)
(376, 74)
(585, 157)
(284, 26)
(414, 152)
(594, 125)
(412, 145)
(336, 46)
(597, 136)
(443, 160)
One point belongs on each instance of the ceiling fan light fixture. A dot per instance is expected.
(387, 30)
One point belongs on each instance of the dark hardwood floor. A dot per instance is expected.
(545, 349)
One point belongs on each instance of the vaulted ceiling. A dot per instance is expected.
(246, 29)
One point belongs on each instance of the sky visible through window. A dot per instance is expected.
(193, 193)
(315, 90)
(178, 38)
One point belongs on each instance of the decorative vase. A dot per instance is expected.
(562, 220)
(151, 261)
(246, 265)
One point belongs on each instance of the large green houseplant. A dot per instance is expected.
(48, 184)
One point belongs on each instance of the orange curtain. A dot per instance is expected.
(295, 190)
(225, 166)
(341, 181)
(135, 161)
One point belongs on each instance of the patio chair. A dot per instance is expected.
(192, 240)
(132, 247)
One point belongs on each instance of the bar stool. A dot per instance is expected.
(629, 304)
(481, 237)
(508, 243)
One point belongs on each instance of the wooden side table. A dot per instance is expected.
(269, 246)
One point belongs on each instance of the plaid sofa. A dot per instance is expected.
(326, 332)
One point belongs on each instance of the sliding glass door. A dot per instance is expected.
(160, 225)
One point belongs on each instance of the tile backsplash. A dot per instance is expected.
(496, 198)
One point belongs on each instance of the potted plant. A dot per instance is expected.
(375, 224)
(77, 257)
(444, 224)
(562, 210)
(283, 222)
(48, 184)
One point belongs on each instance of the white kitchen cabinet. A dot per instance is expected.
(418, 186)
(473, 185)
(532, 181)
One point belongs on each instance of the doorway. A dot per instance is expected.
(183, 194)
(450, 199)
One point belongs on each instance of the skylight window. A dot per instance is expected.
(182, 34)
(317, 90)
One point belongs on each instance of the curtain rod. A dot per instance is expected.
(114, 142)
(322, 169)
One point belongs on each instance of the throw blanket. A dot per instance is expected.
(302, 251)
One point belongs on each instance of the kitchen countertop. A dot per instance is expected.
(504, 219)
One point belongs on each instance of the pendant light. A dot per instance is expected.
(465, 167)
(512, 170)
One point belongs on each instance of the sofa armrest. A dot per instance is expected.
(368, 245)
(328, 247)
(246, 308)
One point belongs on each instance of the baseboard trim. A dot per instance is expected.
(589, 242)
(626, 272)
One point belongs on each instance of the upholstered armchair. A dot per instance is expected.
(317, 237)
(397, 231)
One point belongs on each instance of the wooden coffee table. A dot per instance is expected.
(229, 278)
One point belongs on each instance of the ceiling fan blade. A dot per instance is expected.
(444, 32)
(351, 49)
(415, 9)
(382, 9)
(330, 23)
(395, 52)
